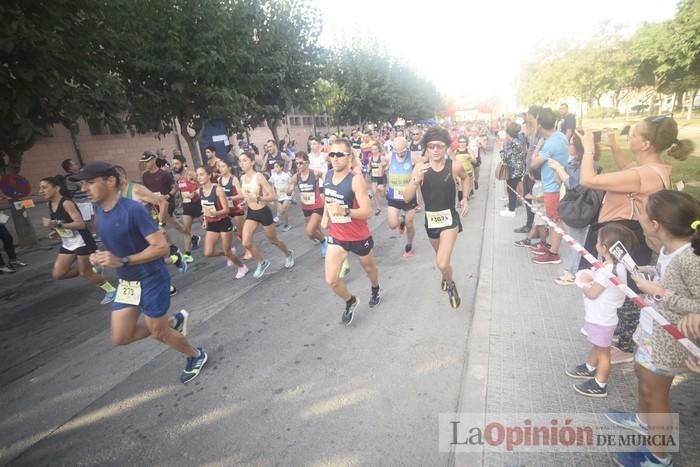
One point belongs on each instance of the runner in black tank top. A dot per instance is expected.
(77, 242)
(436, 176)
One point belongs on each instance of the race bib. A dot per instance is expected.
(229, 201)
(65, 233)
(209, 210)
(308, 197)
(128, 292)
(186, 200)
(340, 219)
(398, 193)
(439, 219)
(375, 173)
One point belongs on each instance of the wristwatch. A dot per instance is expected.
(125, 261)
(659, 295)
(162, 224)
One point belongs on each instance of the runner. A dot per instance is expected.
(143, 195)
(232, 187)
(308, 185)
(159, 181)
(258, 192)
(77, 243)
(400, 213)
(376, 167)
(191, 205)
(442, 221)
(135, 247)
(281, 181)
(347, 208)
(467, 159)
(216, 221)
(318, 161)
(475, 145)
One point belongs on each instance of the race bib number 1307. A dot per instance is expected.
(439, 219)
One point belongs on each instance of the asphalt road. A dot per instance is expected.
(286, 383)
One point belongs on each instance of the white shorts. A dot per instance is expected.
(86, 210)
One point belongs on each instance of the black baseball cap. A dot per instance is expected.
(93, 170)
(147, 156)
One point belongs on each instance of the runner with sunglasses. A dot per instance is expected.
(308, 184)
(347, 209)
(436, 176)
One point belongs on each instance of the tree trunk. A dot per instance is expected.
(690, 104)
(73, 129)
(314, 124)
(272, 125)
(26, 235)
(192, 143)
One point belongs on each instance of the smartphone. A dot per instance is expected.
(625, 131)
(597, 136)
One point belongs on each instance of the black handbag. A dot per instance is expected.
(580, 206)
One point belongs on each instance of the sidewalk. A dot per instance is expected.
(526, 332)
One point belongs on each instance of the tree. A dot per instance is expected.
(287, 34)
(190, 60)
(54, 71)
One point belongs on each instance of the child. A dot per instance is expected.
(601, 299)
(280, 180)
(537, 199)
(671, 218)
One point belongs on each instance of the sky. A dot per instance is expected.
(472, 50)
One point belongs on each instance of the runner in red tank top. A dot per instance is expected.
(347, 209)
(308, 184)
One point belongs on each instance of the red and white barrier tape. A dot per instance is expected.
(639, 301)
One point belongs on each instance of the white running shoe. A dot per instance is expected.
(241, 272)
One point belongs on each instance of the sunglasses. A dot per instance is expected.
(436, 146)
(337, 154)
(657, 121)
(300, 162)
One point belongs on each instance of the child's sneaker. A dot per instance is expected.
(525, 242)
(581, 372)
(627, 420)
(642, 458)
(541, 249)
(591, 388)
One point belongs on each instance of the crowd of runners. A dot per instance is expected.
(339, 183)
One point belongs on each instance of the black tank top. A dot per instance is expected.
(439, 189)
(60, 214)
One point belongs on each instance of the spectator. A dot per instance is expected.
(534, 136)
(567, 121)
(513, 155)
(626, 192)
(8, 244)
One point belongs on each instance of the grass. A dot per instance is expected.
(688, 171)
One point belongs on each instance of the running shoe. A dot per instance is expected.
(194, 366)
(344, 269)
(289, 260)
(581, 372)
(241, 272)
(262, 267)
(173, 291)
(525, 243)
(324, 247)
(547, 258)
(195, 241)
(444, 285)
(628, 420)
(286, 227)
(276, 219)
(375, 299)
(591, 388)
(15, 264)
(109, 297)
(181, 318)
(7, 269)
(408, 251)
(541, 249)
(524, 229)
(350, 308)
(455, 301)
(642, 458)
(507, 213)
(565, 279)
(418, 208)
(377, 212)
(188, 258)
(180, 263)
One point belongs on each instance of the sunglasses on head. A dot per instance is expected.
(657, 121)
(337, 154)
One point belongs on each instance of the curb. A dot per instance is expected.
(472, 397)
